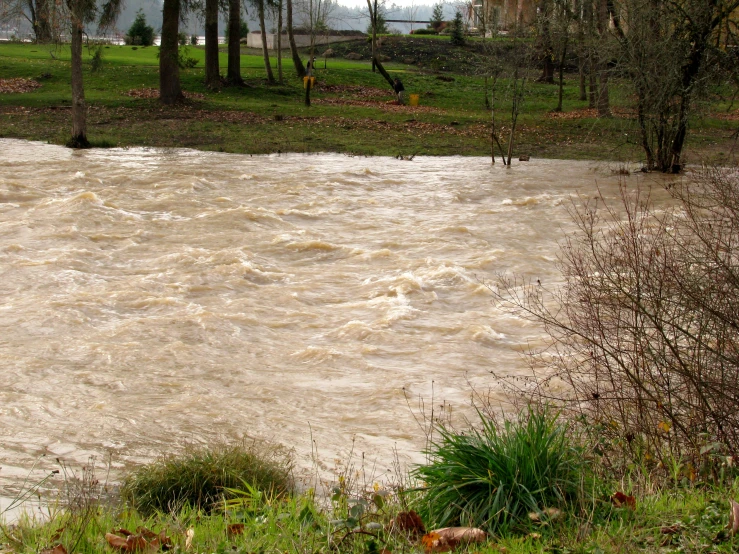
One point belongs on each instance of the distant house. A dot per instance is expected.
(502, 15)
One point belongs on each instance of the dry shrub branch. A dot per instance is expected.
(644, 333)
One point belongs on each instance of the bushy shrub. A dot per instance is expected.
(494, 476)
(197, 478)
(140, 33)
(644, 329)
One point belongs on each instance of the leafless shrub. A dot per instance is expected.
(644, 333)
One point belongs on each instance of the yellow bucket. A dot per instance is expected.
(312, 82)
(413, 99)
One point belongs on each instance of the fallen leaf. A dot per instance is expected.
(671, 529)
(449, 538)
(733, 518)
(189, 534)
(533, 536)
(57, 549)
(115, 541)
(18, 85)
(407, 522)
(620, 500)
(234, 529)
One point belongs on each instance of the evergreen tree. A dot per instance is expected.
(457, 33)
(437, 17)
(140, 33)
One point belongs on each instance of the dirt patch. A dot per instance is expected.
(154, 93)
(354, 91)
(18, 86)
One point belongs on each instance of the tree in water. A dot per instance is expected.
(670, 51)
(82, 12)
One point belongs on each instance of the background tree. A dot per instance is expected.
(260, 5)
(45, 16)
(82, 12)
(170, 91)
(139, 32)
(437, 17)
(212, 64)
(457, 30)
(297, 62)
(670, 50)
(233, 73)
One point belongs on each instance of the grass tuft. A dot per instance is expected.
(495, 476)
(199, 478)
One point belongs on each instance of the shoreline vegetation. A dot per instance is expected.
(635, 454)
(352, 109)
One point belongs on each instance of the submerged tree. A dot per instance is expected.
(670, 50)
(82, 12)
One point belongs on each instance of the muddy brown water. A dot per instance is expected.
(153, 299)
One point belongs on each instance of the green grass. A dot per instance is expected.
(452, 119)
(494, 477)
(201, 477)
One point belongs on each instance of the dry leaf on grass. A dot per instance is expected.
(154, 93)
(621, 500)
(408, 523)
(189, 534)
(733, 518)
(58, 549)
(144, 541)
(449, 538)
(234, 529)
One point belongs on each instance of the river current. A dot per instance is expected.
(153, 299)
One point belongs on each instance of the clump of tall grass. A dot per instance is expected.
(495, 476)
(201, 477)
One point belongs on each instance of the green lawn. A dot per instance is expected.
(349, 111)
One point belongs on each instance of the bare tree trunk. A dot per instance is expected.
(79, 109)
(373, 20)
(265, 51)
(297, 62)
(279, 42)
(212, 69)
(41, 20)
(169, 68)
(561, 77)
(604, 105)
(233, 74)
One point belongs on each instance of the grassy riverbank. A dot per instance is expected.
(354, 514)
(351, 109)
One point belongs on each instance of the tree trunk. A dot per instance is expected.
(604, 105)
(234, 43)
(41, 20)
(265, 50)
(373, 20)
(279, 42)
(79, 109)
(169, 68)
(212, 68)
(297, 62)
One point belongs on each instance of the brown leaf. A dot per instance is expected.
(407, 522)
(734, 518)
(122, 531)
(670, 529)
(115, 541)
(449, 538)
(620, 500)
(235, 529)
(57, 549)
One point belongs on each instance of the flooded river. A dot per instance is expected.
(157, 298)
